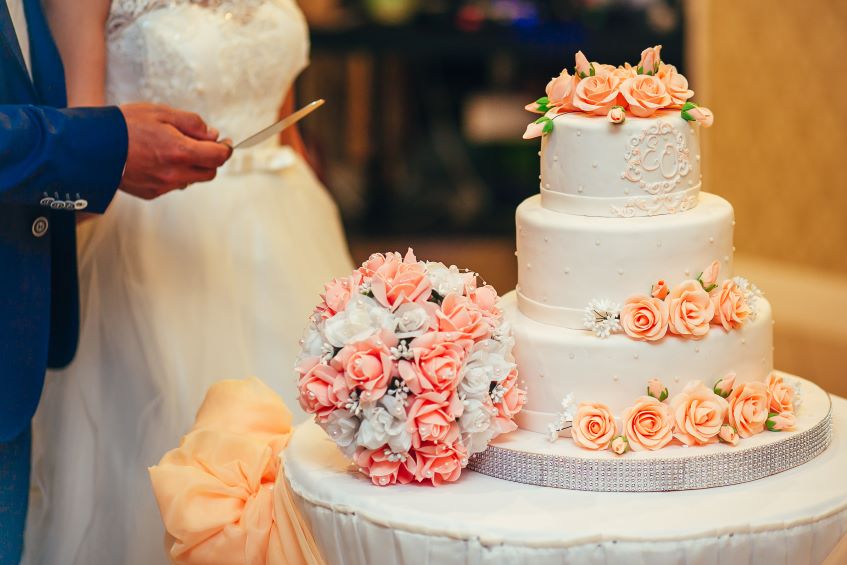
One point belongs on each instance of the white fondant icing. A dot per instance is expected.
(680, 245)
(647, 159)
(577, 362)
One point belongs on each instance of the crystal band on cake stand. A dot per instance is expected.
(523, 457)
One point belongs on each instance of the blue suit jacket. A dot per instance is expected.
(49, 157)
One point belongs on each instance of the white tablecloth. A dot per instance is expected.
(793, 518)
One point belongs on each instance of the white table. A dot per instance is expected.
(795, 517)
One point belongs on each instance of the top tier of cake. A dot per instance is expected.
(642, 167)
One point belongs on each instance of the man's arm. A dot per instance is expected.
(72, 153)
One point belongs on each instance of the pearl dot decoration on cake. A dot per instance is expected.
(676, 379)
(571, 355)
(597, 242)
(539, 153)
(635, 355)
(626, 191)
(697, 349)
(658, 244)
(578, 132)
(615, 379)
(567, 270)
(580, 188)
(546, 239)
(595, 164)
(529, 266)
(620, 271)
(733, 223)
(726, 258)
(547, 186)
(687, 273)
(711, 240)
(733, 249)
(697, 156)
(743, 341)
(555, 158)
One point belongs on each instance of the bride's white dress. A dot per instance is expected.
(210, 283)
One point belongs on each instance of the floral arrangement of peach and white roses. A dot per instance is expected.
(408, 367)
(696, 416)
(688, 310)
(614, 92)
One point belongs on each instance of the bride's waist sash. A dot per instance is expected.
(261, 159)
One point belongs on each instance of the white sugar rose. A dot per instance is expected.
(487, 358)
(476, 382)
(342, 427)
(446, 280)
(379, 427)
(312, 343)
(477, 425)
(362, 318)
(413, 320)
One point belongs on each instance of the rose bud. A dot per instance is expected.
(660, 290)
(650, 59)
(700, 114)
(723, 387)
(657, 390)
(619, 445)
(782, 422)
(583, 67)
(617, 115)
(728, 435)
(709, 277)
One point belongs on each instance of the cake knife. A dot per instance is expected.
(279, 126)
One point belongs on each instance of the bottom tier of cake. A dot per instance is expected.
(556, 362)
(531, 458)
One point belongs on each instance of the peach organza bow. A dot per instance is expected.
(222, 493)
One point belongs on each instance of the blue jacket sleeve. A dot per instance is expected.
(48, 151)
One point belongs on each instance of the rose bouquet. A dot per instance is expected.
(408, 367)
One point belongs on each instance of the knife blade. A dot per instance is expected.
(279, 126)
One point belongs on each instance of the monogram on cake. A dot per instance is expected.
(634, 336)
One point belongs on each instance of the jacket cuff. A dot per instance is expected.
(97, 143)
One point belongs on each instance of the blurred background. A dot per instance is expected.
(409, 148)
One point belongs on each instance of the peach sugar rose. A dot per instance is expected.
(597, 94)
(781, 394)
(748, 408)
(731, 308)
(648, 425)
(560, 91)
(676, 85)
(593, 426)
(645, 94)
(698, 414)
(690, 310)
(660, 290)
(645, 318)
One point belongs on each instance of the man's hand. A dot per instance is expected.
(168, 149)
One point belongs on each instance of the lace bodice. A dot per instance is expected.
(231, 61)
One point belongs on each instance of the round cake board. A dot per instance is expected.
(529, 457)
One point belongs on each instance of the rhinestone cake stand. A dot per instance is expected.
(528, 457)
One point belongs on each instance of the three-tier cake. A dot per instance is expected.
(634, 337)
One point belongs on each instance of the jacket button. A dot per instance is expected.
(39, 226)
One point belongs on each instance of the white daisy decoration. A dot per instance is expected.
(602, 317)
(752, 294)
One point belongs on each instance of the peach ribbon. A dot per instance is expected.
(222, 493)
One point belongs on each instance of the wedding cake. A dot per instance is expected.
(632, 331)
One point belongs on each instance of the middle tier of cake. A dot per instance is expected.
(566, 261)
(555, 362)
